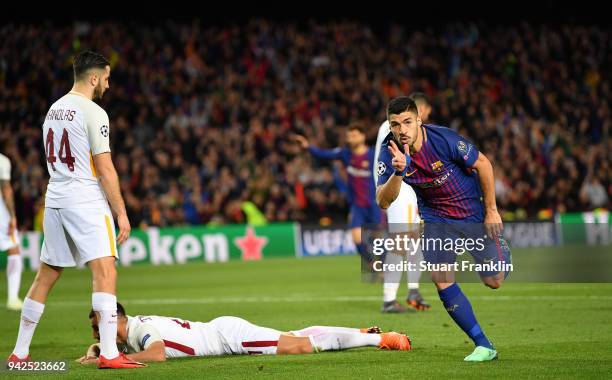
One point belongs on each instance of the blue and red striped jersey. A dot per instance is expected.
(441, 175)
(361, 187)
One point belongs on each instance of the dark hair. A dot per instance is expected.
(401, 104)
(86, 60)
(357, 127)
(419, 97)
(120, 311)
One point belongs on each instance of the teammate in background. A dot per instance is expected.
(423, 105)
(358, 159)
(154, 338)
(78, 224)
(402, 217)
(455, 187)
(9, 237)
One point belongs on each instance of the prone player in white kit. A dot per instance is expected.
(157, 338)
(402, 217)
(78, 223)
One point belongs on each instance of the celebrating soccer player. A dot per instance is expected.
(455, 187)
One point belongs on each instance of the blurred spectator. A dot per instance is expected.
(594, 193)
(200, 114)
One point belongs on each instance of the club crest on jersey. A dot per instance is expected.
(437, 166)
(104, 130)
(381, 168)
(365, 163)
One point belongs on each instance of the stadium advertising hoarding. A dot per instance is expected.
(326, 241)
(180, 245)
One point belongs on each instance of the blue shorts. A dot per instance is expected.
(484, 250)
(361, 216)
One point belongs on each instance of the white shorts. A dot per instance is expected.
(75, 236)
(402, 214)
(8, 241)
(239, 336)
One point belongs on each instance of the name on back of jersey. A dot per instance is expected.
(60, 114)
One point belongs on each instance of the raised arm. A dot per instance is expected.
(390, 179)
(323, 154)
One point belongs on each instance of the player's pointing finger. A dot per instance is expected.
(393, 147)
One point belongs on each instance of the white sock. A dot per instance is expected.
(105, 304)
(332, 341)
(392, 278)
(413, 276)
(30, 315)
(330, 329)
(13, 276)
(390, 291)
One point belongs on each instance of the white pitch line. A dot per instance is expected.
(286, 299)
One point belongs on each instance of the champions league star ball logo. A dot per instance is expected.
(380, 168)
(462, 147)
(104, 130)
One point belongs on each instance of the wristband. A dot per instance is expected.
(401, 173)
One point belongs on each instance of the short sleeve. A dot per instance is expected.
(146, 334)
(98, 130)
(462, 150)
(383, 131)
(384, 168)
(5, 169)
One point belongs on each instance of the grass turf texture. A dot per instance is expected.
(540, 330)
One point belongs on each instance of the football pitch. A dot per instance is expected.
(540, 330)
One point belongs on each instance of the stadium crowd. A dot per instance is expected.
(202, 116)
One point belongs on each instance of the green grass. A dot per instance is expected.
(540, 330)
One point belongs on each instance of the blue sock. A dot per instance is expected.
(363, 252)
(460, 309)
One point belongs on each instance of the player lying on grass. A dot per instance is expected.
(154, 338)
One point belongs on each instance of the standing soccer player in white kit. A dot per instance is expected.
(78, 223)
(402, 217)
(9, 237)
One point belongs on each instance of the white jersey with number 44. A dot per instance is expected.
(75, 130)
